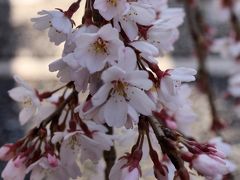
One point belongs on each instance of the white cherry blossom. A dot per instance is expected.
(122, 89)
(27, 96)
(111, 8)
(164, 32)
(98, 48)
(138, 13)
(59, 25)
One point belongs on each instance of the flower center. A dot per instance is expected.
(27, 102)
(120, 87)
(100, 46)
(112, 2)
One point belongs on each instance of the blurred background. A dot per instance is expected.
(27, 52)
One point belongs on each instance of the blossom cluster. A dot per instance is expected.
(112, 59)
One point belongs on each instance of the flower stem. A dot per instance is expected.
(109, 156)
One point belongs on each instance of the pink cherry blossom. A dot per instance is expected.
(119, 172)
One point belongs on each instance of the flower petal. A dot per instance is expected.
(102, 94)
(115, 111)
(140, 101)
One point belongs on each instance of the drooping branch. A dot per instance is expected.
(198, 32)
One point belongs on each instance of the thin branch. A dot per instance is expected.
(169, 149)
(109, 156)
(197, 29)
(58, 110)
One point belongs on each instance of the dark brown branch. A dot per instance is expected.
(109, 156)
(168, 148)
(58, 111)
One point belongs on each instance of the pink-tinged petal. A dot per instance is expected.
(116, 171)
(102, 94)
(139, 79)
(26, 114)
(130, 175)
(209, 167)
(115, 111)
(140, 101)
(14, 171)
(113, 74)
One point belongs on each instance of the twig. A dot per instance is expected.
(58, 110)
(169, 149)
(109, 156)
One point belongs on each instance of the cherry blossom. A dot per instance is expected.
(119, 172)
(111, 8)
(124, 89)
(27, 96)
(209, 166)
(99, 48)
(15, 169)
(59, 25)
(138, 13)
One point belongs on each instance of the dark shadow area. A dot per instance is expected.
(10, 129)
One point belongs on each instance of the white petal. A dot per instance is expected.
(71, 61)
(145, 47)
(112, 73)
(133, 114)
(26, 114)
(102, 94)
(115, 111)
(56, 37)
(56, 65)
(62, 24)
(140, 101)
(140, 79)
(127, 59)
(130, 28)
(19, 93)
(107, 32)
